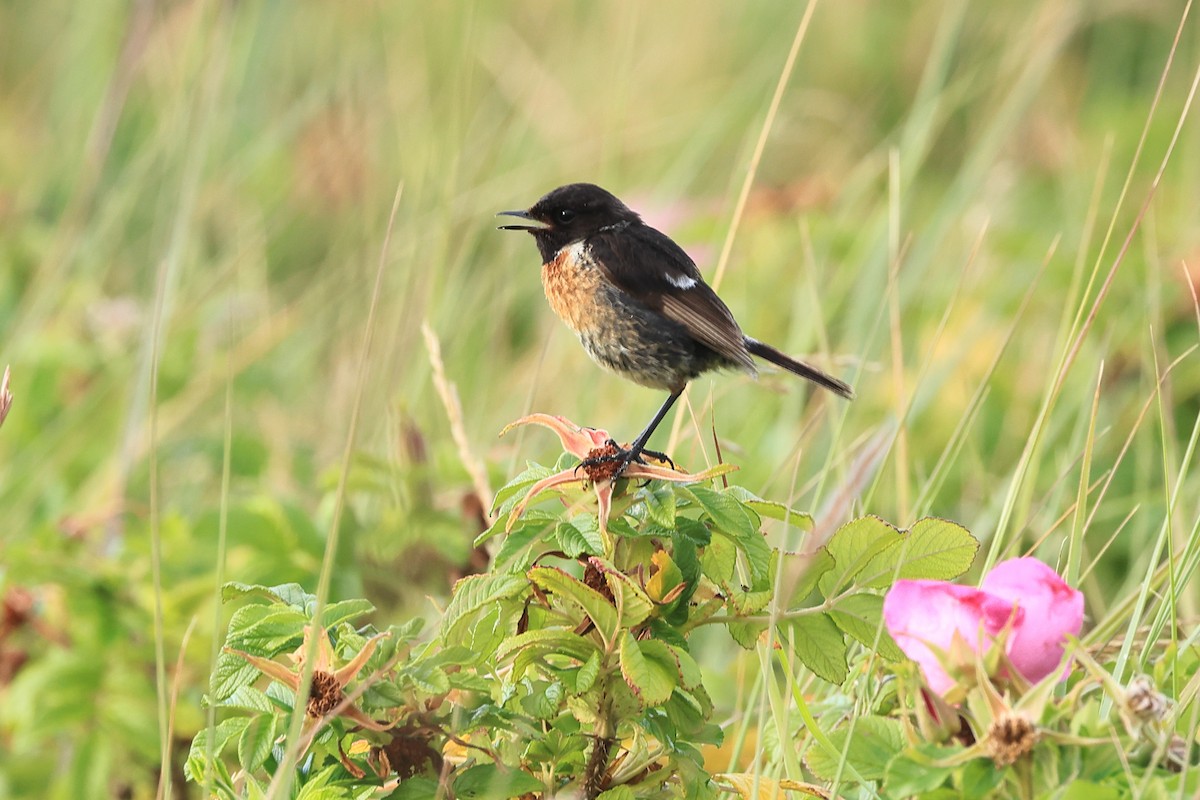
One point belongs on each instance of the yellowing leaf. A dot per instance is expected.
(744, 783)
(664, 577)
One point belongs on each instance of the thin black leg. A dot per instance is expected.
(634, 453)
(639, 444)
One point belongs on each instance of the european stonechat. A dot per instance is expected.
(636, 300)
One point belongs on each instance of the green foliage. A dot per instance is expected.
(938, 202)
(586, 644)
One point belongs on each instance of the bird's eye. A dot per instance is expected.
(565, 215)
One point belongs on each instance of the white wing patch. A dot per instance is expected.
(681, 281)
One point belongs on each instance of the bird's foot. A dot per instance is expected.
(611, 460)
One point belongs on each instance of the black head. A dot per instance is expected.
(568, 214)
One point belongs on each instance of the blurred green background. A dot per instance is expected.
(228, 170)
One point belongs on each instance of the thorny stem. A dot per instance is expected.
(597, 765)
(795, 613)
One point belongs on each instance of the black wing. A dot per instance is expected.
(649, 267)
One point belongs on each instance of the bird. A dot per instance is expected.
(637, 301)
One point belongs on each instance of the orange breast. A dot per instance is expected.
(572, 283)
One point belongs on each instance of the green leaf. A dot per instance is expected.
(650, 672)
(512, 492)
(249, 699)
(580, 535)
(1081, 790)
(758, 558)
(690, 675)
(810, 567)
(489, 782)
(290, 594)
(913, 771)
(634, 604)
(337, 613)
(416, 788)
(548, 640)
(574, 591)
(255, 743)
(853, 546)
(224, 732)
(771, 509)
(875, 742)
(819, 644)
(719, 559)
(659, 499)
(617, 793)
(979, 778)
(427, 678)
(231, 674)
(277, 630)
(585, 679)
(746, 633)
(524, 543)
(933, 548)
(693, 530)
(725, 511)
(861, 615)
(475, 592)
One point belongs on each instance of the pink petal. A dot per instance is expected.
(1051, 610)
(925, 616)
(575, 440)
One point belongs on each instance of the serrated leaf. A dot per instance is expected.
(277, 630)
(524, 542)
(690, 676)
(861, 615)
(585, 679)
(648, 676)
(580, 535)
(810, 567)
(489, 782)
(427, 678)
(719, 559)
(746, 633)
(771, 509)
(549, 640)
(231, 674)
(934, 549)
(475, 592)
(693, 531)
(659, 500)
(256, 740)
(634, 604)
(223, 732)
(512, 492)
(576, 592)
(853, 546)
(875, 742)
(758, 558)
(290, 594)
(819, 644)
(725, 511)
(249, 699)
(337, 613)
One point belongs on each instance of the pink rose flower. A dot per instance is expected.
(937, 623)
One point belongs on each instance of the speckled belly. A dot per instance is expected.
(620, 334)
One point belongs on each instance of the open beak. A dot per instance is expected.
(537, 226)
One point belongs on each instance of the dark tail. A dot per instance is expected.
(799, 368)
